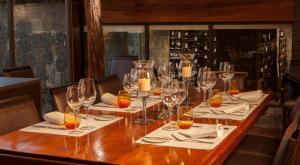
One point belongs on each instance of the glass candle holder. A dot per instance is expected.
(186, 67)
(144, 81)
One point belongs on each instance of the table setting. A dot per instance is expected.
(237, 107)
(199, 136)
(55, 123)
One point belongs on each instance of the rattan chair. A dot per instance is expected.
(59, 102)
(22, 71)
(16, 113)
(261, 150)
(111, 84)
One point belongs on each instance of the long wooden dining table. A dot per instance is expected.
(116, 143)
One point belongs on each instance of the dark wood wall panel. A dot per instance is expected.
(158, 11)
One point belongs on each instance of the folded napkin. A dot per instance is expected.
(253, 95)
(211, 131)
(110, 99)
(55, 117)
(241, 107)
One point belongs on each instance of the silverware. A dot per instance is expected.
(48, 127)
(104, 106)
(191, 140)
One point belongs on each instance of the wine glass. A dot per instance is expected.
(87, 96)
(169, 101)
(72, 97)
(164, 73)
(128, 86)
(179, 94)
(203, 81)
(226, 73)
(212, 82)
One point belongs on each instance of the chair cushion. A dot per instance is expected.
(289, 104)
(247, 159)
(258, 145)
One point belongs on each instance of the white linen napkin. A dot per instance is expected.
(110, 99)
(237, 108)
(213, 131)
(253, 95)
(55, 117)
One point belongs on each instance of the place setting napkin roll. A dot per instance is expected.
(55, 117)
(109, 99)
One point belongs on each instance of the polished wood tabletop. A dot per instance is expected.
(115, 143)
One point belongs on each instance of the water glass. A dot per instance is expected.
(184, 121)
(233, 88)
(216, 99)
(124, 99)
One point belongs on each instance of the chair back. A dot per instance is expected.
(22, 71)
(287, 147)
(59, 102)
(16, 113)
(295, 112)
(110, 84)
(120, 65)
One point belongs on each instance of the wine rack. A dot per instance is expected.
(194, 42)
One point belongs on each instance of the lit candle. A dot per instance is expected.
(144, 85)
(186, 72)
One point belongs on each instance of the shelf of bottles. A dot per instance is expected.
(267, 63)
(282, 55)
(194, 42)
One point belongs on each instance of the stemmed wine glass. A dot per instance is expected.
(203, 81)
(212, 82)
(179, 94)
(87, 96)
(226, 72)
(169, 101)
(164, 74)
(128, 86)
(72, 97)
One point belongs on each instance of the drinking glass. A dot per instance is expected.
(179, 93)
(226, 72)
(211, 83)
(123, 99)
(164, 73)
(233, 88)
(87, 96)
(72, 97)
(203, 81)
(128, 86)
(70, 120)
(216, 99)
(169, 101)
(184, 121)
(157, 89)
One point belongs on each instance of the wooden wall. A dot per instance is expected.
(176, 11)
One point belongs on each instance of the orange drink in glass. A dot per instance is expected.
(123, 99)
(233, 87)
(184, 121)
(216, 99)
(69, 120)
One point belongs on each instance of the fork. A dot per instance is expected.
(191, 140)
